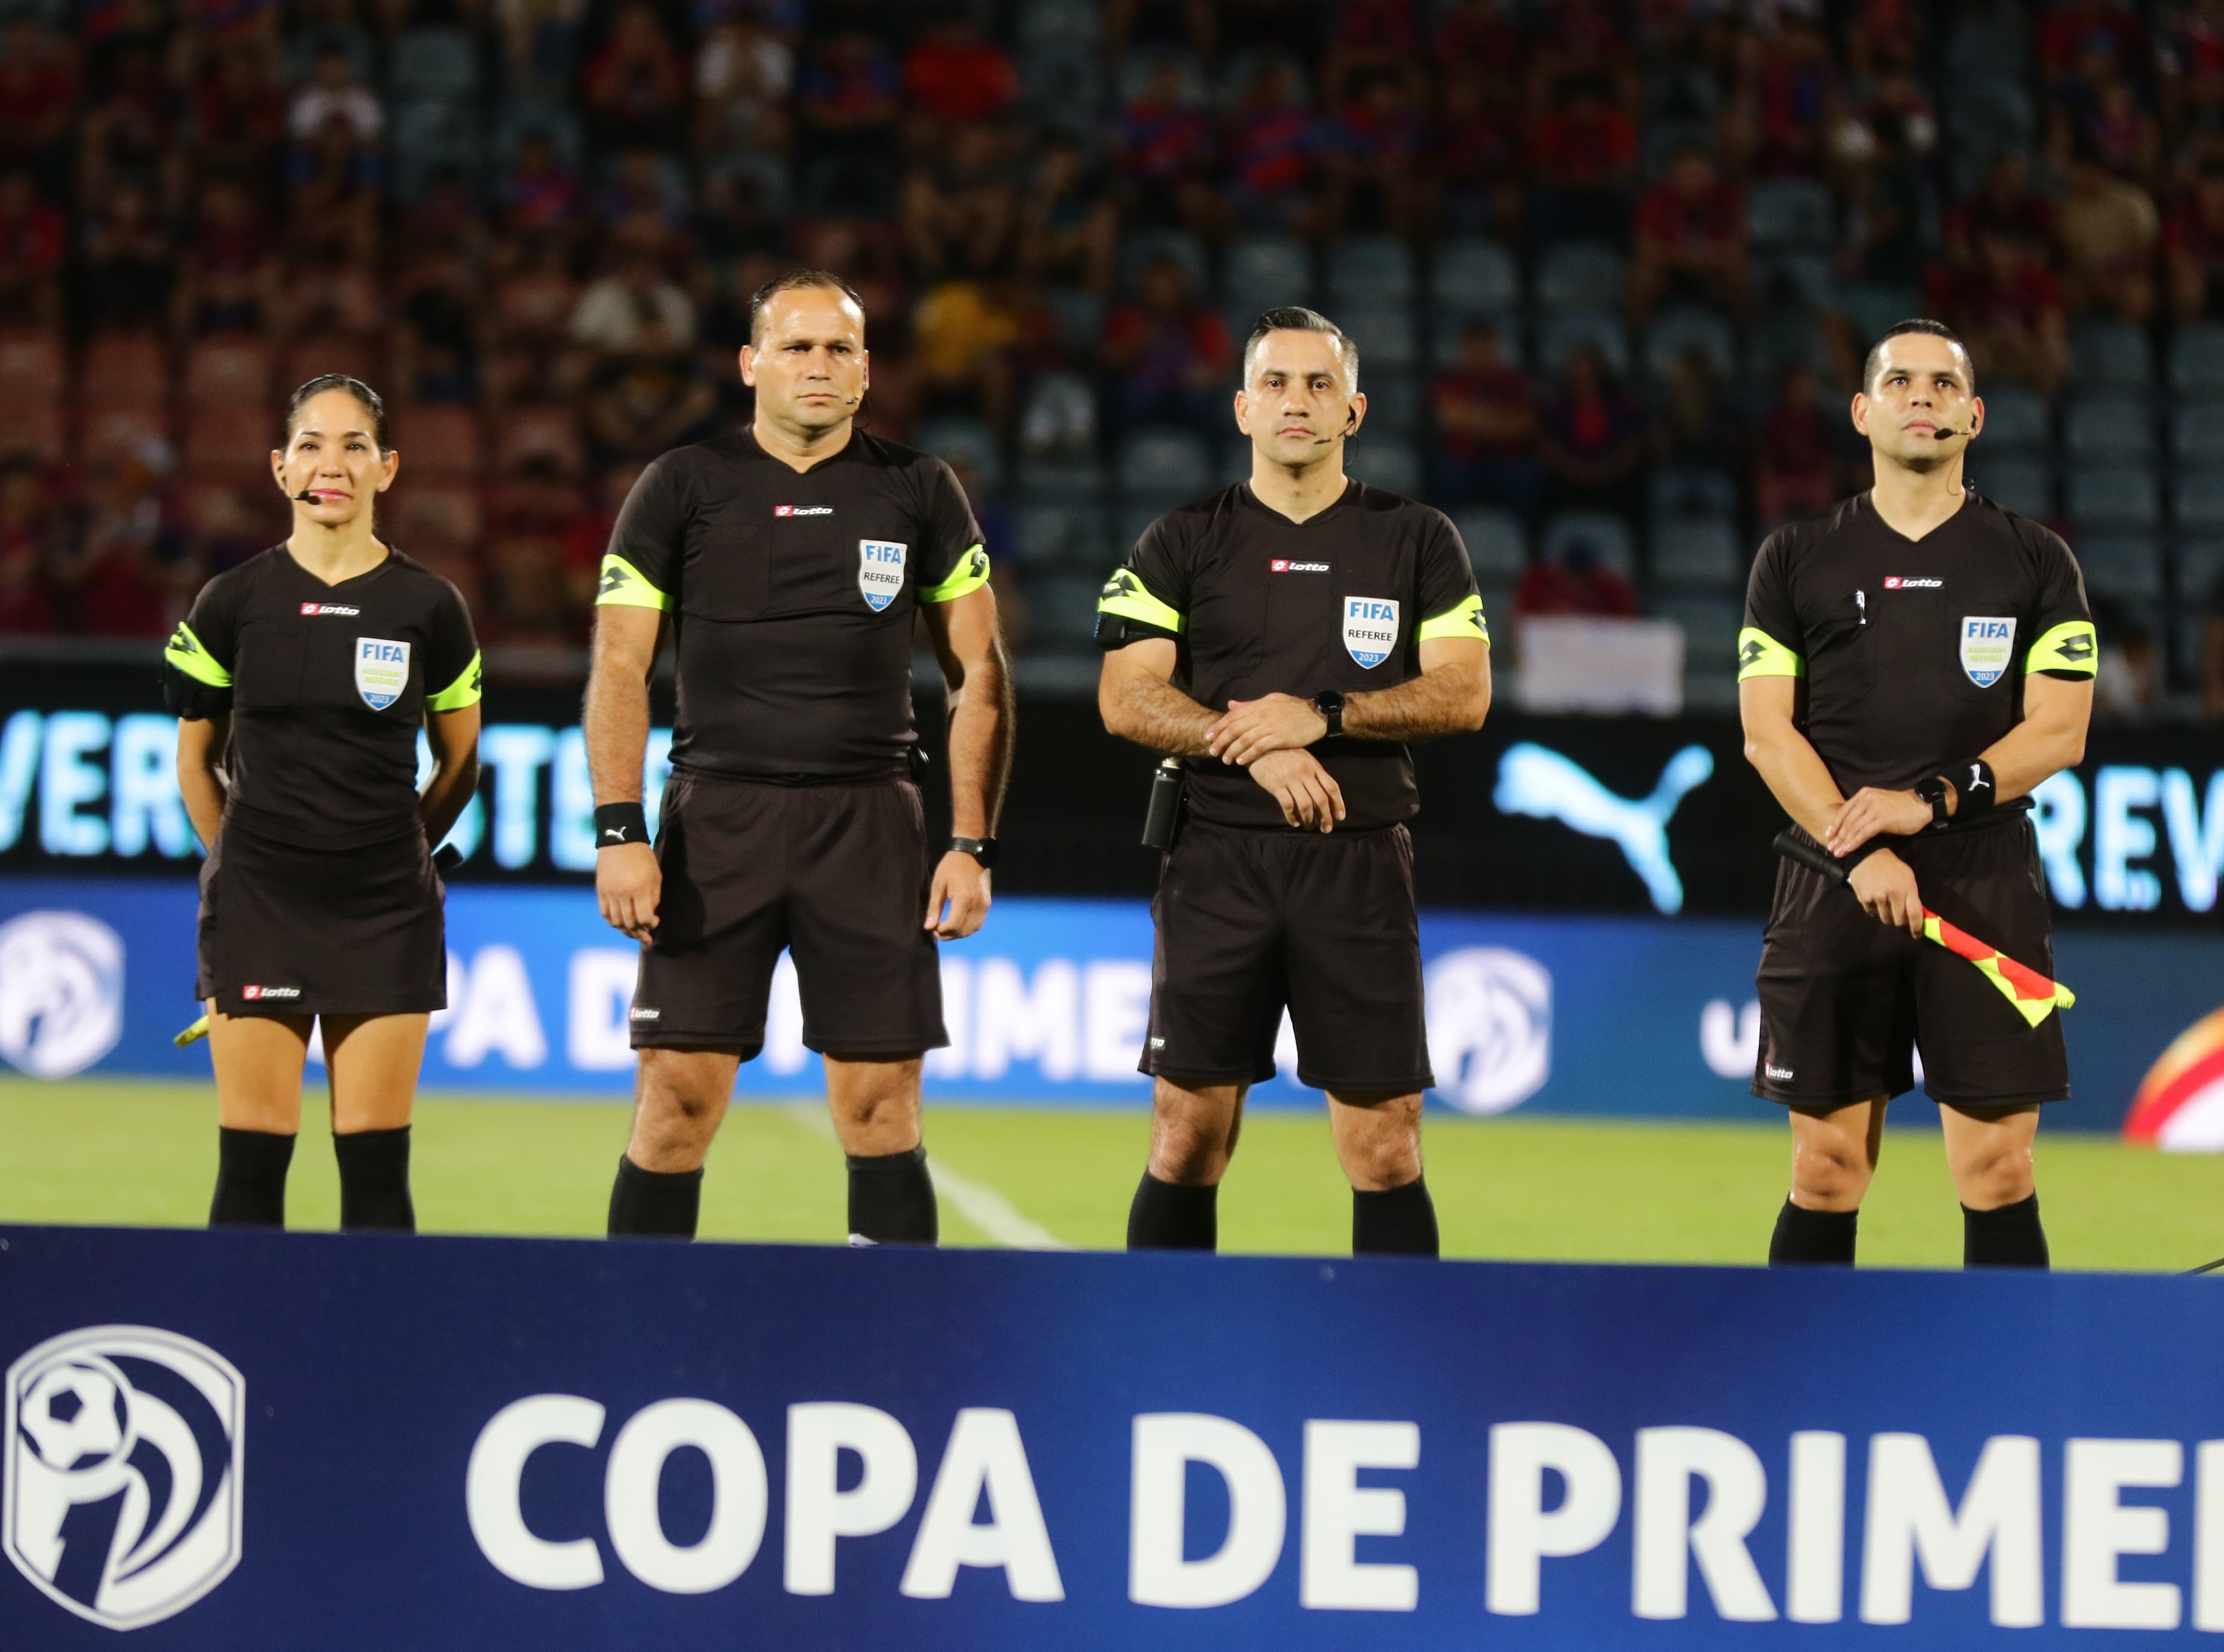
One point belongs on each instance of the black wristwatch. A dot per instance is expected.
(1330, 703)
(983, 850)
(1933, 791)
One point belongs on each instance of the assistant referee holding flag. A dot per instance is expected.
(792, 558)
(300, 680)
(1286, 636)
(1913, 663)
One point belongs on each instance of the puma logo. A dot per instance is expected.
(618, 832)
(1537, 782)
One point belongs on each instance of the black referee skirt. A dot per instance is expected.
(290, 930)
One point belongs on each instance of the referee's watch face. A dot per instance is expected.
(1922, 386)
(1297, 406)
(808, 364)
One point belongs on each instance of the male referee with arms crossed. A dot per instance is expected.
(791, 558)
(1914, 661)
(1286, 636)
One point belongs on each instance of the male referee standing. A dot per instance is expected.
(1913, 662)
(1286, 636)
(791, 558)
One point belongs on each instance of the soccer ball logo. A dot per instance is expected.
(124, 1459)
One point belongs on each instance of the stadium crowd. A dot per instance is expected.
(1611, 264)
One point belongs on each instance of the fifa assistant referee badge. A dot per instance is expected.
(983, 850)
(1330, 703)
(620, 822)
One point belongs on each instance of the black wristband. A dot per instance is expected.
(620, 822)
(1975, 790)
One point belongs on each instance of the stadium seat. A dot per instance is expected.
(1369, 270)
(440, 441)
(1080, 316)
(2127, 567)
(2196, 361)
(2199, 501)
(1141, 246)
(1172, 465)
(229, 370)
(2200, 573)
(1607, 534)
(1680, 331)
(551, 434)
(1062, 86)
(1263, 271)
(2112, 355)
(1387, 463)
(2109, 425)
(1059, 417)
(33, 428)
(2118, 494)
(1060, 22)
(521, 118)
(431, 137)
(2197, 432)
(110, 432)
(1047, 481)
(1497, 544)
(430, 513)
(1143, 66)
(2017, 419)
(1698, 555)
(433, 62)
(1581, 276)
(1786, 212)
(1806, 279)
(1675, 490)
(1475, 276)
(311, 358)
(1394, 400)
(1240, 70)
(1062, 610)
(1561, 334)
(1448, 323)
(1987, 42)
(230, 438)
(2025, 486)
(1710, 632)
(1058, 536)
(34, 369)
(1988, 114)
(1870, 307)
(123, 366)
(960, 441)
(1384, 334)
(1787, 339)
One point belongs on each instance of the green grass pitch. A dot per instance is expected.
(139, 1153)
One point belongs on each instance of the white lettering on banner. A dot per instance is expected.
(818, 1512)
(2208, 1536)
(1338, 1511)
(2120, 837)
(740, 1497)
(983, 1459)
(1668, 1540)
(784, 1048)
(1730, 1038)
(517, 751)
(1522, 1537)
(19, 764)
(67, 779)
(1165, 1444)
(1489, 1011)
(493, 1474)
(2196, 836)
(496, 1013)
(1814, 1546)
(2057, 819)
(1909, 1518)
(595, 1020)
(2097, 1530)
(1116, 1016)
(1039, 1021)
(143, 779)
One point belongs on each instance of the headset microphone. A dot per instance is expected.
(307, 496)
(1945, 435)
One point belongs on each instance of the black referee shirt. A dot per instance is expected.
(1911, 653)
(1257, 604)
(792, 597)
(327, 686)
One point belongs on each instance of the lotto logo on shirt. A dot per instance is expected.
(269, 991)
(1903, 583)
(1987, 644)
(803, 510)
(879, 571)
(1370, 629)
(311, 610)
(1282, 565)
(381, 671)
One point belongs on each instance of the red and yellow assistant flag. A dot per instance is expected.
(2034, 996)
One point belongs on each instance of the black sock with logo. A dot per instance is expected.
(375, 1181)
(2007, 1237)
(1808, 1237)
(655, 1204)
(1166, 1216)
(1398, 1221)
(892, 1200)
(250, 1179)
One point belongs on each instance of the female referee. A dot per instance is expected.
(299, 680)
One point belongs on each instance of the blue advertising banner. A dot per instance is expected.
(232, 1442)
(1572, 1015)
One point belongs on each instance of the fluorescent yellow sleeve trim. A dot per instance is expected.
(1127, 598)
(1464, 619)
(2070, 646)
(968, 577)
(1762, 655)
(464, 691)
(184, 651)
(623, 586)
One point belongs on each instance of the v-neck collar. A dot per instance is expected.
(1868, 503)
(301, 568)
(1251, 498)
(757, 450)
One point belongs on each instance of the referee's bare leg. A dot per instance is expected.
(1834, 1155)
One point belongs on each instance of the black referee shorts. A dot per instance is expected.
(1845, 1000)
(837, 874)
(1250, 921)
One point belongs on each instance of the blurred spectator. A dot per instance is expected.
(1477, 40)
(1067, 226)
(1584, 154)
(645, 187)
(952, 76)
(228, 276)
(961, 205)
(1581, 49)
(540, 45)
(587, 536)
(1592, 437)
(963, 335)
(27, 535)
(1373, 152)
(737, 216)
(2109, 229)
(2076, 33)
(2129, 684)
(335, 181)
(1129, 23)
(526, 600)
(2189, 65)
(1485, 414)
(1370, 38)
(1795, 464)
(238, 113)
(1167, 152)
(113, 584)
(541, 192)
(322, 25)
(333, 95)
(743, 76)
(1479, 159)
(2193, 245)
(1793, 104)
(1691, 236)
(1273, 150)
(133, 128)
(635, 84)
(2007, 202)
(848, 101)
(657, 398)
(1269, 25)
(1575, 583)
(38, 95)
(1700, 428)
(1891, 211)
(1168, 354)
(2009, 309)
(34, 240)
(129, 263)
(2103, 116)
(438, 302)
(617, 311)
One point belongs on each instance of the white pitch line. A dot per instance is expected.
(979, 1203)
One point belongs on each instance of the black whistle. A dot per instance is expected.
(1163, 818)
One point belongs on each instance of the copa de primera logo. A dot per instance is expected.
(122, 1500)
(61, 992)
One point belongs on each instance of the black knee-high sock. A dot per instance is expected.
(2007, 1237)
(250, 1179)
(1398, 1221)
(655, 1204)
(1166, 1216)
(892, 1200)
(1812, 1236)
(374, 1180)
